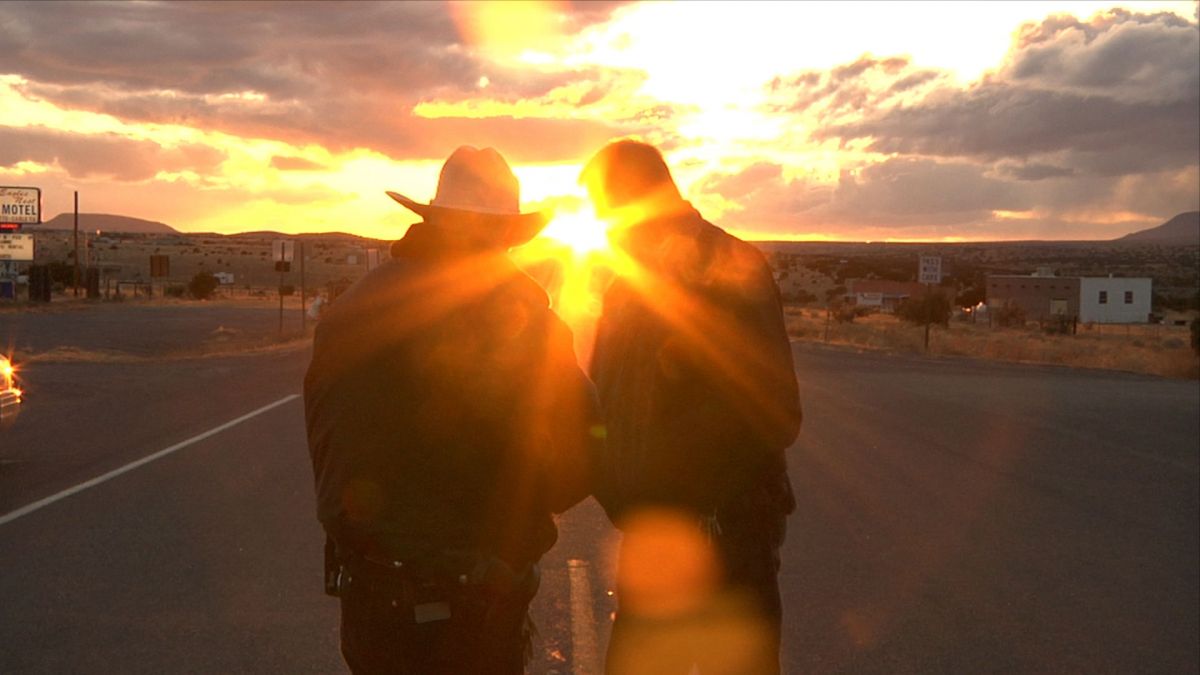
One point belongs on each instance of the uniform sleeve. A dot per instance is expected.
(731, 389)
(766, 352)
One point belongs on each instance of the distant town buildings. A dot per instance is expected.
(1044, 296)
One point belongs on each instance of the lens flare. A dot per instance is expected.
(10, 395)
(667, 567)
(572, 260)
(578, 230)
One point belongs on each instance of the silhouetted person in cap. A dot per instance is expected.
(694, 372)
(447, 421)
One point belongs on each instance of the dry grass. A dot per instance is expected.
(1155, 350)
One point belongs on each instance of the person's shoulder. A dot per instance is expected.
(522, 287)
(730, 245)
(739, 263)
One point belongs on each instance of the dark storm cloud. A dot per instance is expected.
(103, 155)
(920, 187)
(1032, 171)
(1100, 116)
(866, 84)
(995, 121)
(1115, 96)
(280, 49)
(1129, 56)
(946, 198)
(898, 193)
(343, 75)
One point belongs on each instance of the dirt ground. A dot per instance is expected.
(83, 331)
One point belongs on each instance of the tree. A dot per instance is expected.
(928, 308)
(971, 296)
(202, 285)
(1008, 315)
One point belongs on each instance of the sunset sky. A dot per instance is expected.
(851, 121)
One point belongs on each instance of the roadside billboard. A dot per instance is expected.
(20, 205)
(16, 247)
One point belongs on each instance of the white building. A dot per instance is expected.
(1043, 296)
(1114, 300)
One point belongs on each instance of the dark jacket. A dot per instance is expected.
(445, 410)
(694, 372)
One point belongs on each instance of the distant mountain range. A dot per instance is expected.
(105, 222)
(1182, 229)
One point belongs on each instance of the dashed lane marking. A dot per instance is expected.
(585, 655)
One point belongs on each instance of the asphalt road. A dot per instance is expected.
(954, 516)
(145, 330)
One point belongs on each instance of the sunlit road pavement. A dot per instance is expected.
(953, 517)
(965, 517)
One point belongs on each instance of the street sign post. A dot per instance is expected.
(282, 252)
(930, 269)
(929, 272)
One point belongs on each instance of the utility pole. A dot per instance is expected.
(928, 309)
(303, 297)
(75, 290)
(280, 290)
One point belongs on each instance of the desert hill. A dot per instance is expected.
(105, 222)
(307, 236)
(1182, 229)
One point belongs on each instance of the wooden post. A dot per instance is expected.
(75, 285)
(279, 290)
(928, 308)
(303, 299)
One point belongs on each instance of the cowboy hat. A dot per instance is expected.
(478, 195)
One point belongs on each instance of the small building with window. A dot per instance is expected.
(1089, 299)
(1114, 300)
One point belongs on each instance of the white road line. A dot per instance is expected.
(30, 508)
(585, 657)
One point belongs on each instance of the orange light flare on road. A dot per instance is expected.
(668, 577)
(8, 373)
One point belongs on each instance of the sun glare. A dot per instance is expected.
(578, 230)
(572, 260)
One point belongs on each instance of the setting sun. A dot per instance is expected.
(579, 230)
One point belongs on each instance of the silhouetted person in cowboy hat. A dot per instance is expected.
(447, 420)
(695, 377)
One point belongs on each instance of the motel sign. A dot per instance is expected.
(20, 205)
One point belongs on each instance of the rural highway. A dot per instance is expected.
(955, 516)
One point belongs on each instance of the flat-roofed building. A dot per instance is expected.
(1114, 300)
(1088, 299)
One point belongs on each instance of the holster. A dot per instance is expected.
(333, 568)
(488, 574)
